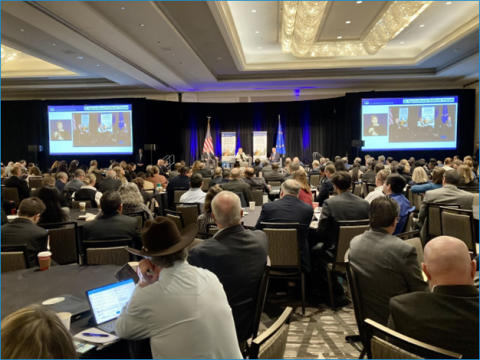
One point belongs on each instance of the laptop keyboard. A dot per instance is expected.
(108, 327)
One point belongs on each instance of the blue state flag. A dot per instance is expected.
(280, 143)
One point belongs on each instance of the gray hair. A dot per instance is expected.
(265, 162)
(291, 187)
(316, 163)
(294, 166)
(167, 261)
(62, 175)
(370, 161)
(381, 158)
(130, 194)
(227, 209)
(111, 174)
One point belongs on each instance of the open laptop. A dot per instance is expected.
(108, 301)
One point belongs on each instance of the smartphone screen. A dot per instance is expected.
(126, 272)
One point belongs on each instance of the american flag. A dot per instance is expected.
(390, 116)
(74, 124)
(208, 145)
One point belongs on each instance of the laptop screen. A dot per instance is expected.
(108, 301)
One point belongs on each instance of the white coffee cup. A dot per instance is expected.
(44, 260)
(315, 206)
(65, 318)
(252, 205)
(133, 265)
(82, 206)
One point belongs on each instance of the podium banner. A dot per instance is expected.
(229, 143)
(259, 145)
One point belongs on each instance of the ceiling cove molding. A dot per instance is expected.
(52, 15)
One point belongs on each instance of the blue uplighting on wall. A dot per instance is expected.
(217, 138)
(305, 124)
(193, 137)
(296, 92)
(239, 142)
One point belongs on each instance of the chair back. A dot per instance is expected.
(416, 242)
(190, 212)
(77, 201)
(459, 223)
(434, 222)
(261, 296)
(63, 242)
(10, 193)
(141, 217)
(98, 178)
(357, 189)
(258, 197)
(4, 217)
(272, 343)
(409, 195)
(475, 199)
(347, 230)
(177, 194)
(107, 252)
(409, 222)
(242, 200)
(35, 182)
(14, 257)
(283, 245)
(385, 343)
(274, 183)
(364, 189)
(314, 180)
(206, 184)
(176, 217)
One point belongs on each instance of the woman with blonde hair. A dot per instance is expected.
(305, 191)
(196, 166)
(419, 176)
(206, 217)
(467, 179)
(88, 191)
(36, 332)
(94, 168)
(132, 200)
(120, 174)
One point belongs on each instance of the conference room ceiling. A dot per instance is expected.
(176, 46)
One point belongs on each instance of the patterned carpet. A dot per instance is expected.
(320, 334)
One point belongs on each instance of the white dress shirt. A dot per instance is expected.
(375, 194)
(185, 314)
(194, 196)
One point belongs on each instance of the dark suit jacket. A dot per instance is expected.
(447, 317)
(59, 185)
(257, 183)
(112, 226)
(75, 184)
(240, 187)
(273, 175)
(238, 257)
(138, 160)
(276, 157)
(22, 231)
(325, 187)
(290, 209)
(257, 169)
(345, 206)
(215, 181)
(35, 192)
(20, 184)
(205, 173)
(386, 266)
(178, 182)
(109, 184)
(369, 177)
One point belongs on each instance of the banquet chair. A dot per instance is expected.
(243, 202)
(176, 217)
(107, 252)
(274, 183)
(314, 180)
(77, 201)
(284, 253)
(475, 199)
(384, 343)
(347, 230)
(63, 242)
(206, 184)
(258, 197)
(459, 223)
(190, 212)
(272, 343)
(357, 189)
(433, 222)
(177, 194)
(10, 193)
(261, 296)
(141, 217)
(35, 182)
(14, 257)
(365, 189)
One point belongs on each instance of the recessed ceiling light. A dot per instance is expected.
(115, 74)
(257, 32)
(348, 22)
(254, 10)
(99, 65)
(260, 48)
(123, 8)
(54, 44)
(339, 37)
(448, 3)
(142, 25)
(422, 25)
(359, 2)
(402, 42)
(219, 58)
(80, 57)
(22, 30)
(173, 54)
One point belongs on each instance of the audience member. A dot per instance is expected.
(379, 181)
(290, 209)
(447, 316)
(93, 169)
(340, 165)
(110, 223)
(36, 332)
(385, 265)
(393, 187)
(77, 181)
(54, 211)
(145, 195)
(206, 173)
(147, 185)
(448, 164)
(325, 186)
(257, 168)
(274, 174)
(404, 171)
(456, 164)
(184, 300)
(237, 256)
(217, 177)
(305, 192)
(195, 194)
(14, 181)
(88, 191)
(162, 168)
(175, 172)
(180, 182)
(315, 167)
(33, 172)
(73, 166)
(355, 173)
(466, 177)
(111, 183)
(47, 181)
(238, 186)
(256, 183)
(120, 174)
(206, 217)
(369, 175)
(132, 200)
(62, 179)
(436, 183)
(344, 206)
(419, 176)
(24, 230)
(155, 178)
(266, 167)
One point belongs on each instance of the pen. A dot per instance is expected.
(94, 335)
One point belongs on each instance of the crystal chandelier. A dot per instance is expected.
(8, 55)
(301, 21)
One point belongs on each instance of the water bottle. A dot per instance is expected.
(159, 187)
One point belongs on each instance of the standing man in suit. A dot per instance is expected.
(238, 186)
(447, 316)
(110, 183)
(110, 223)
(237, 256)
(290, 209)
(344, 206)
(24, 229)
(274, 156)
(14, 181)
(274, 174)
(139, 160)
(448, 194)
(385, 265)
(325, 185)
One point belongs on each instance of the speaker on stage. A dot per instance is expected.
(358, 143)
(150, 147)
(35, 148)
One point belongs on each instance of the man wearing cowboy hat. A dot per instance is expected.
(181, 308)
